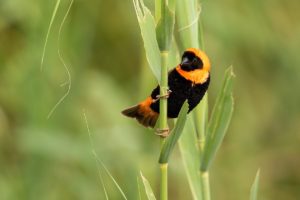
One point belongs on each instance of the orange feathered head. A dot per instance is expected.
(194, 59)
(194, 66)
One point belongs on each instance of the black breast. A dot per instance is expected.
(197, 94)
(182, 89)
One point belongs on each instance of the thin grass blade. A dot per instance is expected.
(254, 188)
(172, 139)
(100, 177)
(101, 163)
(48, 32)
(139, 188)
(69, 78)
(148, 31)
(112, 178)
(219, 121)
(148, 188)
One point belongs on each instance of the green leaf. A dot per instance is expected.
(147, 26)
(165, 27)
(254, 188)
(148, 188)
(187, 20)
(173, 56)
(174, 135)
(141, 190)
(220, 118)
(113, 179)
(191, 157)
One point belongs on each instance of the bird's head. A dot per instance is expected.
(194, 66)
(194, 59)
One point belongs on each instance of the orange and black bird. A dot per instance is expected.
(188, 81)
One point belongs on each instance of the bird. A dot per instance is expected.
(187, 81)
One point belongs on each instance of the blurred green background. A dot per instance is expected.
(101, 43)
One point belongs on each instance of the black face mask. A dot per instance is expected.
(190, 62)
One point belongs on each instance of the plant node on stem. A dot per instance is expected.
(205, 184)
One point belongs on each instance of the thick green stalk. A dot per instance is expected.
(163, 90)
(205, 185)
(164, 181)
(163, 122)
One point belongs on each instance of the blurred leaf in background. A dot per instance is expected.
(101, 42)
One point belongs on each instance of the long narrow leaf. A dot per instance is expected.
(139, 188)
(100, 177)
(147, 26)
(191, 157)
(113, 179)
(254, 188)
(219, 121)
(173, 57)
(148, 188)
(187, 20)
(165, 27)
(174, 135)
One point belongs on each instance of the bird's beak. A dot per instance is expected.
(185, 60)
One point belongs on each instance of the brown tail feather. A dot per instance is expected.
(147, 119)
(131, 112)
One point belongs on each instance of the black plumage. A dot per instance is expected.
(188, 81)
(182, 89)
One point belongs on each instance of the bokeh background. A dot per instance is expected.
(101, 43)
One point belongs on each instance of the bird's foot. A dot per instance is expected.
(163, 132)
(162, 96)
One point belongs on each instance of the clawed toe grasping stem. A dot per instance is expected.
(162, 96)
(162, 132)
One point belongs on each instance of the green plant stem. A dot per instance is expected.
(163, 91)
(163, 123)
(164, 181)
(205, 185)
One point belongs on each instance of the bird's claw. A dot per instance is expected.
(162, 132)
(162, 96)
